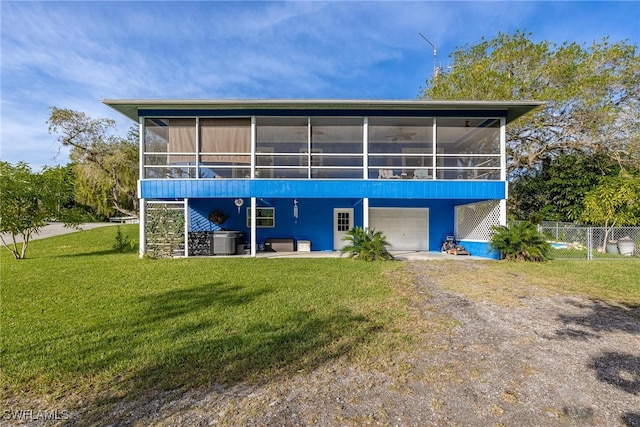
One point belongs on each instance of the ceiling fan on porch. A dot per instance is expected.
(402, 136)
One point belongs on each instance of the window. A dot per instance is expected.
(170, 148)
(400, 147)
(468, 148)
(343, 221)
(265, 217)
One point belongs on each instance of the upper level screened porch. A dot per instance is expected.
(317, 147)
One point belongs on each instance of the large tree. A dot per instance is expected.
(106, 165)
(556, 190)
(592, 95)
(29, 200)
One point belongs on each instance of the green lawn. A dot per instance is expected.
(81, 323)
(78, 319)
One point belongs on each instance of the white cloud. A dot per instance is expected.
(72, 54)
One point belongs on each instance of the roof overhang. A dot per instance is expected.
(130, 107)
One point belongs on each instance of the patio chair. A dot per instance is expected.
(422, 174)
(386, 174)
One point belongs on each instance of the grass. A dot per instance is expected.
(582, 254)
(84, 325)
(80, 320)
(615, 281)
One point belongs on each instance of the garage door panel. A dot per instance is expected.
(405, 228)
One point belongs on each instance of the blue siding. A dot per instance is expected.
(315, 219)
(279, 188)
(314, 222)
(480, 249)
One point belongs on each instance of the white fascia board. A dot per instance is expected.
(130, 107)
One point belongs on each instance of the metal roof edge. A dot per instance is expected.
(129, 107)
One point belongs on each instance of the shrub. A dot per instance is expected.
(520, 242)
(122, 243)
(366, 245)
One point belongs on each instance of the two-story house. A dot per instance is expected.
(309, 170)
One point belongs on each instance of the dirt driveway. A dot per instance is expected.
(547, 360)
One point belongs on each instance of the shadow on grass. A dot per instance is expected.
(599, 317)
(194, 352)
(90, 253)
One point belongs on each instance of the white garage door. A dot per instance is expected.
(406, 229)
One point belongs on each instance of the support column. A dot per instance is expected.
(142, 246)
(254, 238)
(434, 146)
(253, 149)
(503, 150)
(365, 148)
(365, 213)
(503, 212)
(186, 227)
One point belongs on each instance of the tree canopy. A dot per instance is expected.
(592, 95)
(556, 190)
(106, 165)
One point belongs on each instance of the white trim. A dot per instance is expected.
(141, 141)
(130, 107)
(254, 137)
(186, 227)
(198, 148)
(308, 147)
(365, 213)
(503, 149)
(435, 153)
(142, 235)
(338, 243)
(254, 238)
(365, 148)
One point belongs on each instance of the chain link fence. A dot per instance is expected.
(571, 241)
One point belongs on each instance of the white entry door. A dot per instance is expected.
(342, 222)
(405, 228)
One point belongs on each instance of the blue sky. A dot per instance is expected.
(73, 54)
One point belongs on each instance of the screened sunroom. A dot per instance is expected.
(323, 148)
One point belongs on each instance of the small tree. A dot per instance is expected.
(520, 242)
(29, 200)
(613, 203)
(366, 245)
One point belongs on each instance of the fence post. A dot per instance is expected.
(589, 243)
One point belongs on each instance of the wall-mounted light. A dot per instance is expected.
(239, 203)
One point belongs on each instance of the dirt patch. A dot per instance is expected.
(539, 360)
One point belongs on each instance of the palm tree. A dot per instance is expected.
(366, 244)
(520, 242)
